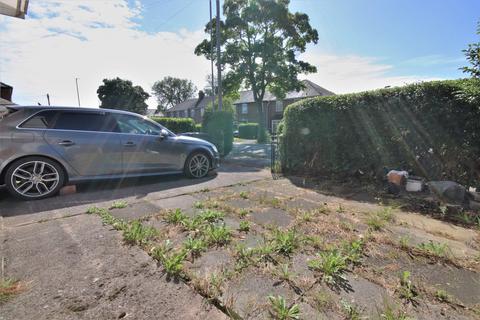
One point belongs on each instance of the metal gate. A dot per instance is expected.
(275, 165)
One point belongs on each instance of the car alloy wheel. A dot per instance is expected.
(35, 179)
(199, 165)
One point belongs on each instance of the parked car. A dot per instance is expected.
(44, 148)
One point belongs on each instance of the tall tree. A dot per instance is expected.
(171, 91)
(122, 95)
(261, 41)
(473, 56)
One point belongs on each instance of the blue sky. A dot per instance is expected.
(424, 37)
(364, 44)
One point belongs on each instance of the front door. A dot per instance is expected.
(145, 150)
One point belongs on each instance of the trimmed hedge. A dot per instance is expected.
(430, 128)
(177, 125)
(198, 128)
(219, 126)
(248, 130)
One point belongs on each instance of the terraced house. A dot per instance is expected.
(245, 107)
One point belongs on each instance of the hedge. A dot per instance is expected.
(177, 125)
(219, 126)
(248, 130)
(430, 128)
(198, 128)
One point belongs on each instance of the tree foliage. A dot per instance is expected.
(122, 95)
(261, 41)
(171, 91)
(472, 53)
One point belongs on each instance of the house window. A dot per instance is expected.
(279, 106)
(244, 108)
(275, 126)
(202, 111)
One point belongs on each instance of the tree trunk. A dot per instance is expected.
(262, 132)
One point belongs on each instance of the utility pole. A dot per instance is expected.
(48, 99)
(211, 58)
(219, 64)
(78, 93)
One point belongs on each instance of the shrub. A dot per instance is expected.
(248, 130)
(198, 128)
(430, 128)
(219, 126)
(177, 125)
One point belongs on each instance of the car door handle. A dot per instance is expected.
(129, 144)
(66, 143)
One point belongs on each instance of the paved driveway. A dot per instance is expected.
(73, 267)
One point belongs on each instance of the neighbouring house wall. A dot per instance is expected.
(250, 116)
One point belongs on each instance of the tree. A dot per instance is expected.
(122, 95)
(211, 86)
(261, 41)
(171, 91)
(473, 56)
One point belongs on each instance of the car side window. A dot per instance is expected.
(136, 125)
(42, 120)
(84, 121)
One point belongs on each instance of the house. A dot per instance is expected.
(191, 108)
(247, 110)
(153, 113)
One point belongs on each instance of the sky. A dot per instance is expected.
(363, 44)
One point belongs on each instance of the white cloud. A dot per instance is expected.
(93, 40)
(353, 73)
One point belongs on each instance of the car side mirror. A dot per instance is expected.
(163, 134)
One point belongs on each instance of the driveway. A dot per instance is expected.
(73, 267)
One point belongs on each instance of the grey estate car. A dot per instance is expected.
(44, 148)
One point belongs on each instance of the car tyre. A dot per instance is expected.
(197, 165)
(33, 178)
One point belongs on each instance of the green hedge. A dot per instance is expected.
(198, 128)
(219, 126)
(430, 128)
(177, 125)
(248, 130)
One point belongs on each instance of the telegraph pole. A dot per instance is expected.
(211, 57)
(219, 64)
(48, 99)
(78, 93)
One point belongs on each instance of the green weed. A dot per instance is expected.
(285, 242)
(194, 246)
(340, 209)
(354, 251)
(173, 263)
(244, 195)
(283, 272)
(281, 311)
(435, 248)
(199, 205)
(351, 311)
(218, 235)
(443, 296)
(407, 290)
(175, 216)
(332, 264)
(136, 233)
(390, 312)
(404, 242)
(210, 216)
(119, 204)
(244, 226)
(243, 213)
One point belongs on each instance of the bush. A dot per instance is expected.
(248, 130)
(430, 128)
(198, 128)
(263, 135)
(219, 126)
(177, 125)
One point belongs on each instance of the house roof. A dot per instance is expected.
(192, 103)
(311, 90)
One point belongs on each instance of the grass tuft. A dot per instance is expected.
(9, 288)
(332, 264)
(119, 204)
(281, 311)
(136, 233)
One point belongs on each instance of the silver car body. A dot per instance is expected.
(91, 155)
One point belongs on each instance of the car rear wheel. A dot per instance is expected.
(197, 165)
(34, 178)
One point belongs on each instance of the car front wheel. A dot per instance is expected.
(197, 165)
(34, 178)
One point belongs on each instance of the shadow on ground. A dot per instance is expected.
(108, 190)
